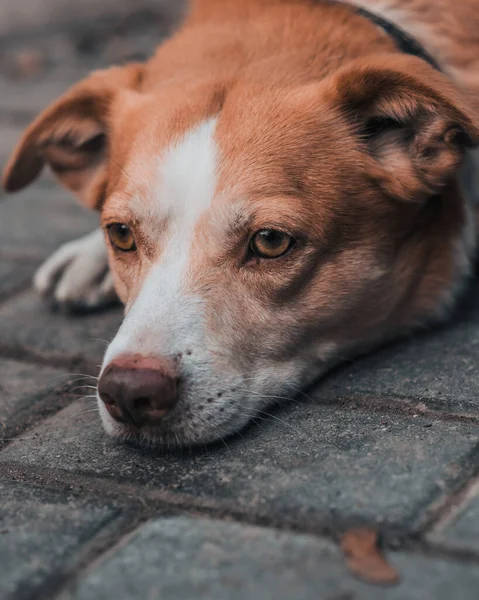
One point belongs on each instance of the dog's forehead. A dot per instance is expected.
(163, 174)
(227, 162)
(176, 176)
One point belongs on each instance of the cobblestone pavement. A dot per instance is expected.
(389, 442)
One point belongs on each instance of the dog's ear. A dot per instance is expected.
(414, 123)
(71, 136)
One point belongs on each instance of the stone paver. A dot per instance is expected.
(23, 387)
(27, 98)
(26, 322)
(40, 535)
(14, 276)
(207, 560)
(10, 134)
(330, 463)
(389, 441)
(37, 221)
(436, 370)
(461, 530)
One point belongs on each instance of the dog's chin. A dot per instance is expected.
(172, 435)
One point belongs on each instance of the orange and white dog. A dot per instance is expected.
(279, 187)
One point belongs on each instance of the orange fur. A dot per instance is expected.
(323, 129)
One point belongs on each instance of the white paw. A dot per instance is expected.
(77, 276)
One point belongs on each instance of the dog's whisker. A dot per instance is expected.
(295, 389)
(300, 391)
(271, 416)
(80, 375)
(83, 412)
(83, 387)
(226, 445)
(261, 395)
(76, 380)
(106, 342)
(264, 415)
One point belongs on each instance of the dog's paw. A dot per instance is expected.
(76, 277)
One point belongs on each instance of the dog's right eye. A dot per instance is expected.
(121, 237)
(271, 243)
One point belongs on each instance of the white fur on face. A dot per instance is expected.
(186, 186)
(165, 320)
(215, 397)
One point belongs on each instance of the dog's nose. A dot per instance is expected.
(138, 390)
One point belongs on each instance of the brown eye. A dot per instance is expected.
(271, 243)
(121, 237)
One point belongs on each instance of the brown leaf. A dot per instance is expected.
(365, 559)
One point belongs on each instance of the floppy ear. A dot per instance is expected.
(415, 123)
(71, 136)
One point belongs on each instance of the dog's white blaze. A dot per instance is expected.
(164, 319)
(188, 176)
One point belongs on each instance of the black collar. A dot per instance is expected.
(404, 42)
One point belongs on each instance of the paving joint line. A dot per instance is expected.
(442, 512)
(439, 511)
(28, 355)
(95, 487)
(105, 544)
(398, 405)
(140, 509)
(456, 504)
(104, 538)
(153, 502)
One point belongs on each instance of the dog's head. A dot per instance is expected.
(258, 232)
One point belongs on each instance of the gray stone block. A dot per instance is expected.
(9, 136)
(210, 560)
(22, 388)
(436, 370)
(309, 464)
(41, 534)
(461, 530)
(36, 221)
(26, 323)
(14, 275)
(26, 97)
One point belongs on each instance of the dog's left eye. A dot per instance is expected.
(121, 237)
(271, 243)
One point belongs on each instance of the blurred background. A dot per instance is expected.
(46, 45)
(26, 15)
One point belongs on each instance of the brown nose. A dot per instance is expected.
(138, 389)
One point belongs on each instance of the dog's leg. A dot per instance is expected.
(76, 277)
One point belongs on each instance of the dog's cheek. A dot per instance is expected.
(121, 286)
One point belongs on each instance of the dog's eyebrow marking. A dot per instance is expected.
(188, 179)
(183, 192)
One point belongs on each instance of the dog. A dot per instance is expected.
(279, 188)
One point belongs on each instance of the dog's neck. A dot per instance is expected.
(405, 42)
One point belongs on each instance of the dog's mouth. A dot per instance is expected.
(186, 425)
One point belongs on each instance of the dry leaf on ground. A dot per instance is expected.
(365, 559)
